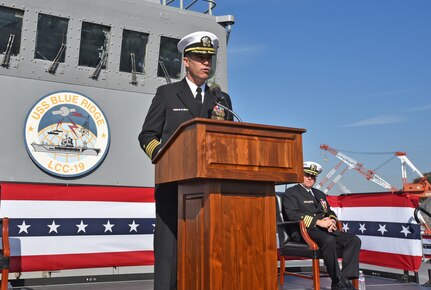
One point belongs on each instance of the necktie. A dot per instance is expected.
(315, 198)
(311, 192)
(198, 97)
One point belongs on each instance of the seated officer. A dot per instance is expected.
(303, 202)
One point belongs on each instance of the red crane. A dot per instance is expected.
(353, 164)
(328, 176)
(423, 186)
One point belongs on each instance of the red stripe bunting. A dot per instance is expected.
(374, 200)
(78, 261)
(396, 261)
(19, 191)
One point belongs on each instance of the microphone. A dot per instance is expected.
(216, 91)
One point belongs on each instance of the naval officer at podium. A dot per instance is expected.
(172, 105)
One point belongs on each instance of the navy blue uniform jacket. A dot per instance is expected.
(299, 204)
(172, 105)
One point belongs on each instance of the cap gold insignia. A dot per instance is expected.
(206, 41)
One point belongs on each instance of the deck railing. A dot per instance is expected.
(211, 4)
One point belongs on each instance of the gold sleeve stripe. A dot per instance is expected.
(150, 147)
(307, 220)
(332, 216)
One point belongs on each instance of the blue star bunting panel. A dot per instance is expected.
(386, 226)
(54, 227)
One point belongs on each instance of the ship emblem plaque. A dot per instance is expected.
(67, 134)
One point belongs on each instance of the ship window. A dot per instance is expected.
(10, 30)
(133, 48)
(170, 57)
(51, 37)
(94, 45)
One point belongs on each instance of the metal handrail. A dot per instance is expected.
(211, 5)
(417, 213)
(420, 220)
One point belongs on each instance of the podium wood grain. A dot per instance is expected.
(227, 173)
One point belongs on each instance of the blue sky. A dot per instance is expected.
(355, 74)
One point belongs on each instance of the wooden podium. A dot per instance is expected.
(227, 173)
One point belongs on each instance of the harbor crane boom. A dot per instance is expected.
(336, 179)
(353, 164)
(330, 173)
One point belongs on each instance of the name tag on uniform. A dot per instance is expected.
(180, 110)
(308, 201)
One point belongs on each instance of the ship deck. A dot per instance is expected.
(291, 283)
(376, 278)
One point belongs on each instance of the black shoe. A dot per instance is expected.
(342, 284)
(338, 286)
(349, 285)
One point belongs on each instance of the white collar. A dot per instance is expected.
(307, 189)
(193, 86)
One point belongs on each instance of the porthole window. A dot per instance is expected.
(51, 38)
(94, 47)
(10, 30)
(169, 58)
(133, 50)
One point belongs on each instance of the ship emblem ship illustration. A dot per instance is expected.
(67, 146)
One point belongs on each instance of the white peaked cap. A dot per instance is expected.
(312, 168)
(203, 42)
